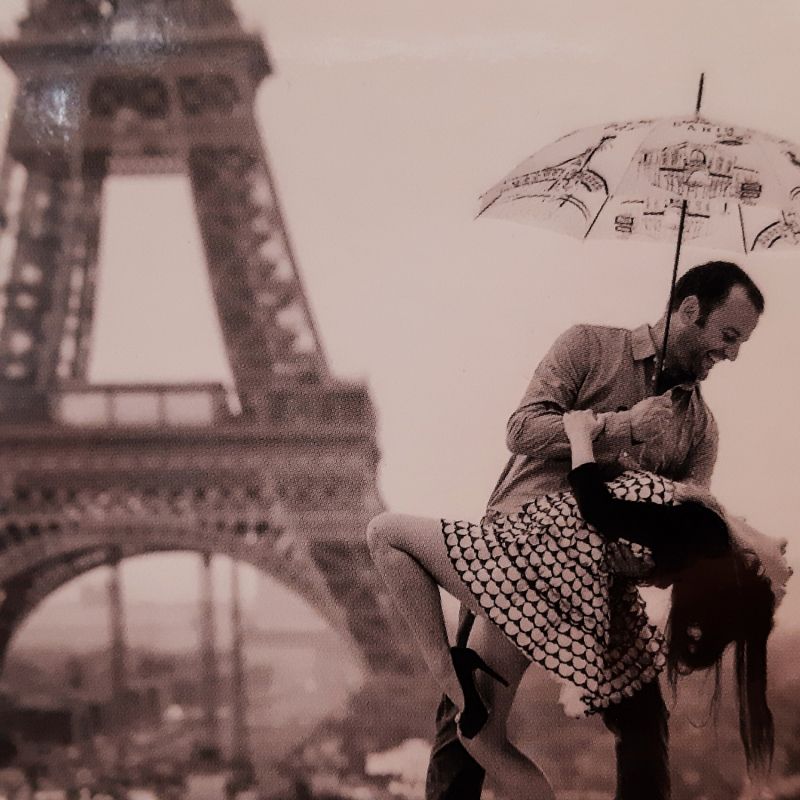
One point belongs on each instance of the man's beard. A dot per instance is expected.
(674, 376)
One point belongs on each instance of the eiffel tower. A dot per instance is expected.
(93, 473)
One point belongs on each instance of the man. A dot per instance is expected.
(615, 372)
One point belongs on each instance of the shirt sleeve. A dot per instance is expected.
(671, 531)
(703, 456)
(536, 428)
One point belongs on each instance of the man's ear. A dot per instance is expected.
(689, 309)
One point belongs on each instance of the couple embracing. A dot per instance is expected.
(606, 490)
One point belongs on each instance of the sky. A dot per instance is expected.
(384, 122)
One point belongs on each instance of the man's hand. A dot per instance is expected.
(649, 417)
(628, 462)
(691, 491)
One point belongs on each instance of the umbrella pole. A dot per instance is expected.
(672, 290)
(677, 250)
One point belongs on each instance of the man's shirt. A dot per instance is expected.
(608, 370)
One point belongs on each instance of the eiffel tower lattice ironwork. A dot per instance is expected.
(91, 473)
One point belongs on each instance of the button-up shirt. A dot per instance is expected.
(608, 370)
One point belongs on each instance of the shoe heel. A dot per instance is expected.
(474, 716)
(472, 661)
(482, 665)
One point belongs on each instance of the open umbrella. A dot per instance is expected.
(717, 185)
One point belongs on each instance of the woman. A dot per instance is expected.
(541, 589)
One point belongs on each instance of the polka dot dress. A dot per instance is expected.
(542, 576)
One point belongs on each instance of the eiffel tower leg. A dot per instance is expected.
(22, 593)
(45, 332)
(208, 657)
(82, 251)
(11, 173)
(119, 670)
(15, 593)
(268, 330)
(240, 748)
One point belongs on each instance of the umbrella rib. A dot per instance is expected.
(633, 164)
(597, 216)
(602, 141)
(487, 206)
(741, 225)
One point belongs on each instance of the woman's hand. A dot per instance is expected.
(581, 425)
(686, 491)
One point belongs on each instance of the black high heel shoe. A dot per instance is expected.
(474, 715)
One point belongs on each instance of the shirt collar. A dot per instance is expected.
(642, 344)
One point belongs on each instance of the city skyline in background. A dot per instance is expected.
(383, 124)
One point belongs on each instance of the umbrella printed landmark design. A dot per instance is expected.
(629, 180)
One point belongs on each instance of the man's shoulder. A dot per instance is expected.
(602, 330)
(602, 335)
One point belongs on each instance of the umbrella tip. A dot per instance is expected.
(700, 93)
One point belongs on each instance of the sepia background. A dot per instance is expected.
(383, 123)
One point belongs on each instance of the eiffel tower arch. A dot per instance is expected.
(91, 473)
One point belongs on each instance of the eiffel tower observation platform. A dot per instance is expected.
(279, 472)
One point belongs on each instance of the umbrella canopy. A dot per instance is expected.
(682, 178)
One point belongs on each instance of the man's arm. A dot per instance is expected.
(536, 428)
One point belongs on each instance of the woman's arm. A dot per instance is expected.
(597, 505)
(672, 532)
(682, 527)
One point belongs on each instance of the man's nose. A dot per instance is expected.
(732, 352)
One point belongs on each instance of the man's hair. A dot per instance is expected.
(711, 284)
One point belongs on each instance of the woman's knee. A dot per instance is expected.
(380, 531)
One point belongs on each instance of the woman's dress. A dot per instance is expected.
(543, 577)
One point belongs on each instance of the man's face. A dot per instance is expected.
(698, 347)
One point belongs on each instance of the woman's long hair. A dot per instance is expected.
(717, 602)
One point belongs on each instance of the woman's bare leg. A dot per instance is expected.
(411, 555)
(511, 769)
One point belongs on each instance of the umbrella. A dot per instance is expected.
(683, 178)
